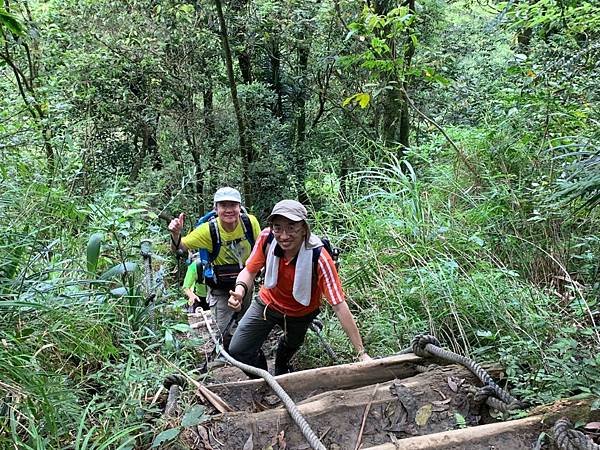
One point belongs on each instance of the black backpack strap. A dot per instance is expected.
(248, 230)
(215, 237)
(268, 240)
(315, 259)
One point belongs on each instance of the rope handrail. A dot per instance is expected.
(312, 439)
(426, 345)
(569, 439)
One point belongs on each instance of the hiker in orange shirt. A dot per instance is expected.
(297, 275)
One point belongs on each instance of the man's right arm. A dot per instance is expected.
(243, 284)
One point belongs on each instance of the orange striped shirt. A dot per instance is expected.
(280, 297)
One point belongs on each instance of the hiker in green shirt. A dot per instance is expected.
(195, 291)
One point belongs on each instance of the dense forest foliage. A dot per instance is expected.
(451, 148)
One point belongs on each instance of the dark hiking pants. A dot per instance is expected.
(254, 328)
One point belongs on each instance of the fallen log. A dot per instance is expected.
(422, 404)
(250, 395)
(521, 434)
(255, 395)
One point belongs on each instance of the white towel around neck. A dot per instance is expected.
(303, 274)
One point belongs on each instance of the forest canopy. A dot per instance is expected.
(451, 149)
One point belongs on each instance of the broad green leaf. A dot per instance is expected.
(165, 436)
(119, 292)
(193, 417)
(93, 251)
(11, 22)
(119, 269)
(181, 327)
(169, 340)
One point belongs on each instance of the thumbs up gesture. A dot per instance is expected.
(176, 224)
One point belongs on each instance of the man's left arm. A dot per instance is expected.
(349, 325)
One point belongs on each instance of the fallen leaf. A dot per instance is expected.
(423, 414)
(454, 383)
(593, 426)
(281, 440)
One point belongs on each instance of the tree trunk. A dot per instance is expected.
(244, 137)
(25, 80)
(404, 130)
(303, 52)
(275, 76)
(245, 62)
(150, 143)
(137, 164)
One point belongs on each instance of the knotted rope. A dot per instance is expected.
(426, 345)
(569, 439)
(173, 383)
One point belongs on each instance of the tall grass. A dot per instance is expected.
(80, 365)
(421, 255)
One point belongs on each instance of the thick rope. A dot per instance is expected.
(317, 327)
(308, 433)
(173, 383)
(425, 345)
(569, 439)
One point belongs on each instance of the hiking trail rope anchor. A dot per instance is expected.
(426, 345)
(569, 439)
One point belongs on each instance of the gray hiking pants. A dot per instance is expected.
(222, 314)
(254, 328)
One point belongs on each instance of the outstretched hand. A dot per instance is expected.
(176, 224)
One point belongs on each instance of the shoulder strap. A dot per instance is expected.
(268, 240)
(248, 230)
(206, 217)
(215, 237)
(315, 258)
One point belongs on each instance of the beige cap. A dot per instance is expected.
(290, 209)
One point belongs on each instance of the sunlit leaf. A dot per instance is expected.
(93, 251)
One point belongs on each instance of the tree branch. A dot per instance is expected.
(459, 152)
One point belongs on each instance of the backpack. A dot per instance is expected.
(222, 276)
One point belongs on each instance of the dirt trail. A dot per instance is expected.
(402, 401)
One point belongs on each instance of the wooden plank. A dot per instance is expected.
(339, 413)
(520, 434)
(244, 395)
(515, 435)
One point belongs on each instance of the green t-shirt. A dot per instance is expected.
(191, 280)
(235, 248)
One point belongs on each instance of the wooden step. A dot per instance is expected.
(337, 414)
(248, 394)
(521, 434)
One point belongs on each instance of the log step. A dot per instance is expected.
(249, 394)
(416, 405)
